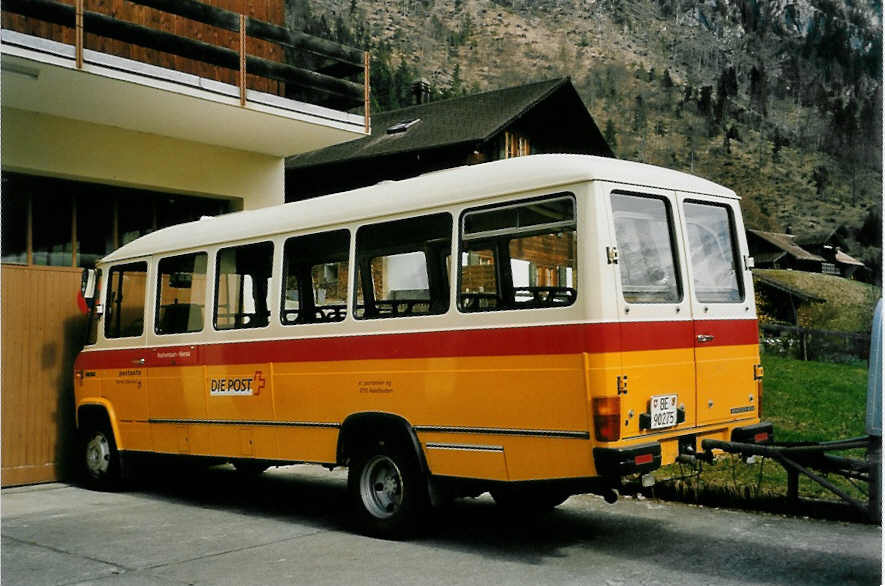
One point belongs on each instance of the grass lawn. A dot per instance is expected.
(806, 401)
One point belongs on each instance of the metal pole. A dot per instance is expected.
(366, 90)
(242, 60)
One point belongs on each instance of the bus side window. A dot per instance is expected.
(402, 267)
(714, 258)
(124, 314)
(647, 254)
(519, 255)
(315, 278)
(181, 293)
(242, 286)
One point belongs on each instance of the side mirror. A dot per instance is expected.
(88, 284)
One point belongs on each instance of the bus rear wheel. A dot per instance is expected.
(387, 491)
(100, 458)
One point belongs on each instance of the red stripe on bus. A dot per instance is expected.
(729, 332)
(521, 341)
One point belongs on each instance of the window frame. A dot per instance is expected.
(216, 278)
(158, 294)
(674, 245)
(348, 259)
(735, 249)
(491, 239)
(423, 246)
(106, 317)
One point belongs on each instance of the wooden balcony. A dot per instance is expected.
(172, 45)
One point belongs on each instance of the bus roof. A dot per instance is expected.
(440, 188)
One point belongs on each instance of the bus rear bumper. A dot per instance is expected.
(617, 462)
(759, 433)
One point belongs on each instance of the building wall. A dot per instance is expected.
(60, 147)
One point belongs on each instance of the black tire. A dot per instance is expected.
(528, 499)
(99, 458)
(387, 490)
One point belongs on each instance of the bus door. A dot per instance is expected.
(123, 382)
(656, 385)
(175, 381)
(724, 332)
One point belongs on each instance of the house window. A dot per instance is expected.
(515, 145)
(829, 268)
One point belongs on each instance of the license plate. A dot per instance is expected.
(663, 411)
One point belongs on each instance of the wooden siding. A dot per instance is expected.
(42, 331)
(272, 11)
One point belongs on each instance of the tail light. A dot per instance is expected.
(607, 418)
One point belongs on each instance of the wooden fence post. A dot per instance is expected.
(78, 34)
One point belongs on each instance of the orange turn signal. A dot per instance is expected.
(607, 418)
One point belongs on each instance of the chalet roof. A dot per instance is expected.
(827, 236)
(469, 119)
(774, 283)
(786, 243)
(843, 258)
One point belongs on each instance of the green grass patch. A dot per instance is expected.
(806, 401)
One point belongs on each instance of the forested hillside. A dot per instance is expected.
(780, 100)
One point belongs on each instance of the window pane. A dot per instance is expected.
(402, 267)
(315, 278)
(51, 216)
(643, 228)
(95, 220)
(543, 269)
(136, 217)
(181, 294)
(556, 211)
(14, 219)
(536, 258)
(124, 310)
(713, 253)
(479, 290)
(242, 286)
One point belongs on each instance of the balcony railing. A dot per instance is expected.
(316, 70)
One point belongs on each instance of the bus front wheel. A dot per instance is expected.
(100, 459)
(387, 490)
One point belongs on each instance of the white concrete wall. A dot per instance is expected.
(47, 145)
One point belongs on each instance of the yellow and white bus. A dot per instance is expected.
(535, 327)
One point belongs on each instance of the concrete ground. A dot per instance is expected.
(290, 526)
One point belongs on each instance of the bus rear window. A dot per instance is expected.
(124, 316)
(647, 255)
(714, 258)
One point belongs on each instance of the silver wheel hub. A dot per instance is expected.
(381, 487)
(98, 455)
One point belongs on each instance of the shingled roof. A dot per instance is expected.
(786, 243)
(469, 119)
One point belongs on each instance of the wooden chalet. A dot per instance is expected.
(542, 117)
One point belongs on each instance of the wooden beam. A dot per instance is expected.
(78, 34)
(73, 230)
(366, 95)
(242, 76)
(29, 232)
